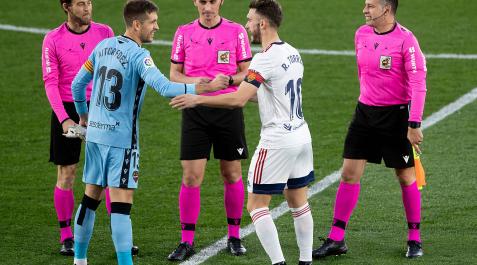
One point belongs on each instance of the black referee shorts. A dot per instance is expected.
(204, 127)
(64, 151)
(380, 133)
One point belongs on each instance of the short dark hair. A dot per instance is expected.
(137, 10)
(392, 3)
(270, 9)
(67, 2)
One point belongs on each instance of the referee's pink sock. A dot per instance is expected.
(107, 198)
(64, 204)
(189, 209)
(346, 200)
(233, 202)
(411, 198)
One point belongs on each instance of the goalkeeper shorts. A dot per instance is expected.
(111, 166)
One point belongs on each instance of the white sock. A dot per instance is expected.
(267, 233)
(303, 230)
(80, 262)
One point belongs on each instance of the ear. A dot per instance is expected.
(262, 23)
(65, 7)
(136, 25)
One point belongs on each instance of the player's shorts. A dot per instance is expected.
(64, 151)
(273, 170)
(204, 127)
(111, 166)
(380, 133)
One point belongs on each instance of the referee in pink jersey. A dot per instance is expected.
(64, 51)
(387, 120)
(211, 48)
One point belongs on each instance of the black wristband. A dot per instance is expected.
(414, 124)
(231, 80)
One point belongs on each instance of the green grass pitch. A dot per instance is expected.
(377, 230)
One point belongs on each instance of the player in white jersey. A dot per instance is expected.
(283, 160)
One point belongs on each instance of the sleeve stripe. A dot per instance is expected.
(88, 66)
(176, 62)
(254, 78)
(245, 60)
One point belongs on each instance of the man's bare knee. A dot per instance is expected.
(66, 176)
(231, 171)
(256, 201)
(193, 172)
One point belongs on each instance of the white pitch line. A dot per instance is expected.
(450, 109)
(329, 180)
(276, 212)
(257, 49)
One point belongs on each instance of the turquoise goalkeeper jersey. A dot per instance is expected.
(120, 70)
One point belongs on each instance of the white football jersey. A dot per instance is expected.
(277, 72)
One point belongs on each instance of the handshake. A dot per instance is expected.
(221, 81)
(76, 131)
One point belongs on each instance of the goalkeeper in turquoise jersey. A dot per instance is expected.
(120, 70)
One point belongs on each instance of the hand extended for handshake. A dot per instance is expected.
(190, 101)
(73, 130)
(221, 81)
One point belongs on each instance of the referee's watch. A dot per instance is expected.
(414, 124)
(231, 80)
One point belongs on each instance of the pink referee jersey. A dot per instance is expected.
(63, 53)
(206, 52)
(391, 69)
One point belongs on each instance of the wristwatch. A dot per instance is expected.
(231, 80)
(414, 124)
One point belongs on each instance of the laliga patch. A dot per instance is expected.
(223, 57)
(385, 62)
(148, 62)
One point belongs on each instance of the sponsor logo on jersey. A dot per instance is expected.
(385, 62)
(103, 126)
(242, 45)
(47, 59)
(178, 47)
(148, 62)
(223, 57)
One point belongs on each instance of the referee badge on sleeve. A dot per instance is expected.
(385, 62)
(223, 57)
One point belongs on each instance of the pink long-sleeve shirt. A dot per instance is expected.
(207, 52)
(391, 69)
(63, 53)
